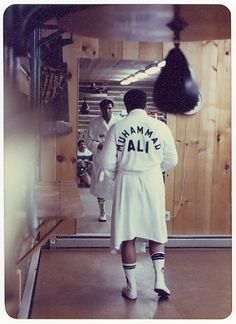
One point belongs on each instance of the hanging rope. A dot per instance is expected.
(177, 25)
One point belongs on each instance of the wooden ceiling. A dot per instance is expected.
(148, 22)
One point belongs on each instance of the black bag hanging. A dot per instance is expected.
(84, 108)
(175, 90)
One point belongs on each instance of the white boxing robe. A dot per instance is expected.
(136, 151)
(101, 185)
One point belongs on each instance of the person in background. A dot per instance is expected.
(137, 150)
(84, 163)
(101, 186)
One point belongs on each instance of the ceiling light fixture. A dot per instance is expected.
(151, 69)
(140, 75)
(162, 64)
(125, 82)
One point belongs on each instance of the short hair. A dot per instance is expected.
(104, 103)
(135, 98)
(80, 141)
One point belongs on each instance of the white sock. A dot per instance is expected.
(158, 260)
(130, 274)
(101, 204)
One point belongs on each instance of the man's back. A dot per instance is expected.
(141, 142)
(136, 151)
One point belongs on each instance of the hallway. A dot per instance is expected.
(86, 284)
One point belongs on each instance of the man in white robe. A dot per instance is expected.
(136, 151)
(101, 185)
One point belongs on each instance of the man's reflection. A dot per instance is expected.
(101, 186)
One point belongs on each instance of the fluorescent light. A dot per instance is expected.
(140, 75)
(124, 82)
(131, 78)
(152, 69)
(128, 80)
(162, 64)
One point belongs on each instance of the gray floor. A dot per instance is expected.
(86, 284)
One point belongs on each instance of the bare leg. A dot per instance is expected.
(86, 179)
(128, 253)
(155, 247)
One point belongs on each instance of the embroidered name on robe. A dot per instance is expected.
(137, 145)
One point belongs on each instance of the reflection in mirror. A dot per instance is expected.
(100, 79)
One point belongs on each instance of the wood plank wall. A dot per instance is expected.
(200, 186)
(198, 191)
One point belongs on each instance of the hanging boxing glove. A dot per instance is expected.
(175, 90)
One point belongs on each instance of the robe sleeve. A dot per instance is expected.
(109, 154)
(170, 156)
(90, 139)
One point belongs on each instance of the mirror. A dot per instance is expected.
(100, 79)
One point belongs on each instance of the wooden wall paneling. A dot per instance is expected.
(205, 166)
(130, 50)
(150, 51)
(109, 49)
(66, 144)
(206, 137)
(191, 221)
(89, 47)
(180, 169)
(47, 158)
(194, 140)
(187, 140)
(209, 72)
(171, 122)
(187, 221)
(170, 178)
(221, 189)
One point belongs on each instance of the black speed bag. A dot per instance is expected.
(175, 89)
